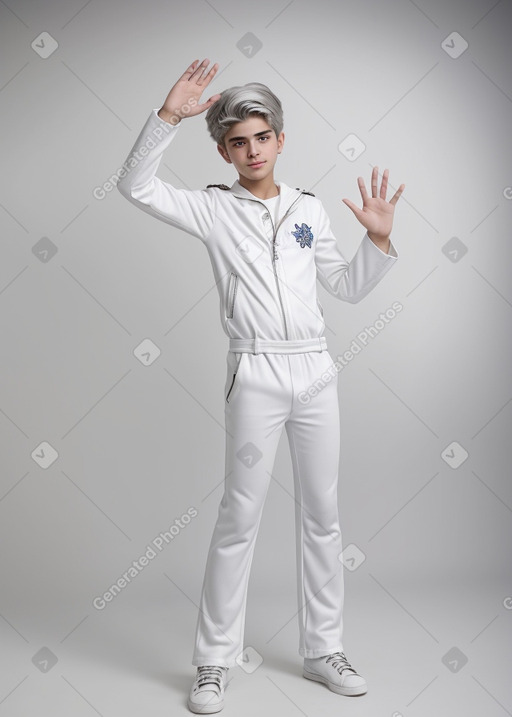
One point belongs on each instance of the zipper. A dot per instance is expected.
(275, 256)
(232, 287)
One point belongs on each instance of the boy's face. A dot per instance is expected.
(252, 146)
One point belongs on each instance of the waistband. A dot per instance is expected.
(263, 346)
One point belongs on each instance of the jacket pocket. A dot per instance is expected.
(231, 297)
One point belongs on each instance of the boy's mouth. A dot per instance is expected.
(256, 165)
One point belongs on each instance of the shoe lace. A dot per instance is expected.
(340, 662)
(209, 674)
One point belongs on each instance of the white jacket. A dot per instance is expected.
(266, 278)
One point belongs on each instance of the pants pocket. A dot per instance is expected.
(234, 361)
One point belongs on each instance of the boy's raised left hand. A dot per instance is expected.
(376, 214)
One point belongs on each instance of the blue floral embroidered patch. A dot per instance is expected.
(304, 235)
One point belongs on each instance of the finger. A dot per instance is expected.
(209, 77)
(396, 196)
(207, 104)
(204, 74)
(384, 185)
(189, 70)
(199, 70)
(352, 206)
(375, 177)
(362, 188)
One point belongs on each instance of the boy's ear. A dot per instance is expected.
(280, 142)
(223, 153)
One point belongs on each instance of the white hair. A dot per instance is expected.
(236, 103)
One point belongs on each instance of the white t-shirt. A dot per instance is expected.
(272, 205)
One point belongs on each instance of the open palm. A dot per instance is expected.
(183, 98)
(376, 214)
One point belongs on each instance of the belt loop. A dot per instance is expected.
(320, 342)
(256, 345)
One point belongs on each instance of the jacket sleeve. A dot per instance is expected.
(349, 281)
(190, 210)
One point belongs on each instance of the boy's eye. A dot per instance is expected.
(240, 142)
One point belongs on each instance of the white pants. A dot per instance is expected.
(263, 396)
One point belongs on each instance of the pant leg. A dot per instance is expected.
(313, 430)
(259, 403)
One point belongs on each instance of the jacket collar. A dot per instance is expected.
(288, 195)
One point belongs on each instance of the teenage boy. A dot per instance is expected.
(268, 244)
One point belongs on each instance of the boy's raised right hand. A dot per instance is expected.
(183, 99)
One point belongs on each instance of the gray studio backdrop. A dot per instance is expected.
(113, 357)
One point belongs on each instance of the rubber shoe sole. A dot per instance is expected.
(347, 691)
(206, 709)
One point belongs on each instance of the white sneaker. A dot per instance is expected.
(207, 692)
(336, 672)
